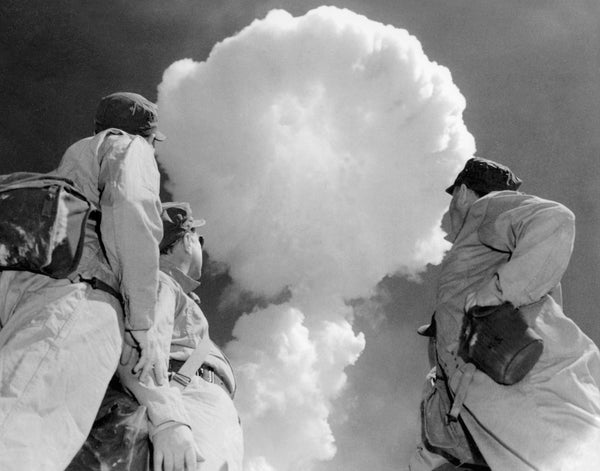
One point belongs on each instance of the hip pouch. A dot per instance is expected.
(498, 341)
(42, 223)
(443, 434)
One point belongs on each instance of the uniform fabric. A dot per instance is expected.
(59, 346)
(60, 341)
(205, 407)
(118, 173)
(514, 247)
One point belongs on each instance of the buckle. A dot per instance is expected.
(181, 379)
(449, 418)
(208, 374)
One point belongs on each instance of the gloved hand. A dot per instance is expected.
(175, 449)
(151, 357)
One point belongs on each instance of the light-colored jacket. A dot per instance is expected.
(515, 247)
(205, 407)
(118, 173)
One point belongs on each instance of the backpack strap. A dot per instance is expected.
(468, 371)
(184, 375)
(96, 283)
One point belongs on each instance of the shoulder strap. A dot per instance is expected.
(184, 376)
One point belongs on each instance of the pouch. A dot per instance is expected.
(442, 434)
(498, 341)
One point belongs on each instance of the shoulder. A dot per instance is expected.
(505, 209)
(77, 147)
(169, 290)
(166, 280)
(120, 140)
(499, 202)
(129, 152)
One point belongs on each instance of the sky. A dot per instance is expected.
(523, 78)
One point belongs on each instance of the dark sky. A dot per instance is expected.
(530, 72)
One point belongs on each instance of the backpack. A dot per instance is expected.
(42, 223)
(119, 439)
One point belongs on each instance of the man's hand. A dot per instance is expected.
(151, 358)
(175, 449)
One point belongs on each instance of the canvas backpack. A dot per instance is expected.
(42, 223)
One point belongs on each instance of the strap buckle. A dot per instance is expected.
(183, 380)
(97, 283)
(207, 374)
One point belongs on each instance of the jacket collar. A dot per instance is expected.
(475, 216)
(188, 284)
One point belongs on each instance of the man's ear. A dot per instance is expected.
(150, 139)
(466, 196)
(461, 197)
(187, 242)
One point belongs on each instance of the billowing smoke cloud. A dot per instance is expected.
(316, 148)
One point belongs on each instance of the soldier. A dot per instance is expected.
(193, 418)
(508, 247)
(60, 339)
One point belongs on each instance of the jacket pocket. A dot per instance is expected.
(442, 434)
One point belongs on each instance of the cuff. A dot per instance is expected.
(164, 426)
(490, 294)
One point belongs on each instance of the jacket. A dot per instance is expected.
(515, 247)
(118, 173)
(181, 326)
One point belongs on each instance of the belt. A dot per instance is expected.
(206, 372)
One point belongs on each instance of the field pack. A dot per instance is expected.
(498, 341)
(42, 223)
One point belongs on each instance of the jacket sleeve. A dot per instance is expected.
(164, 403)
(538, 236)
(131, 227)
